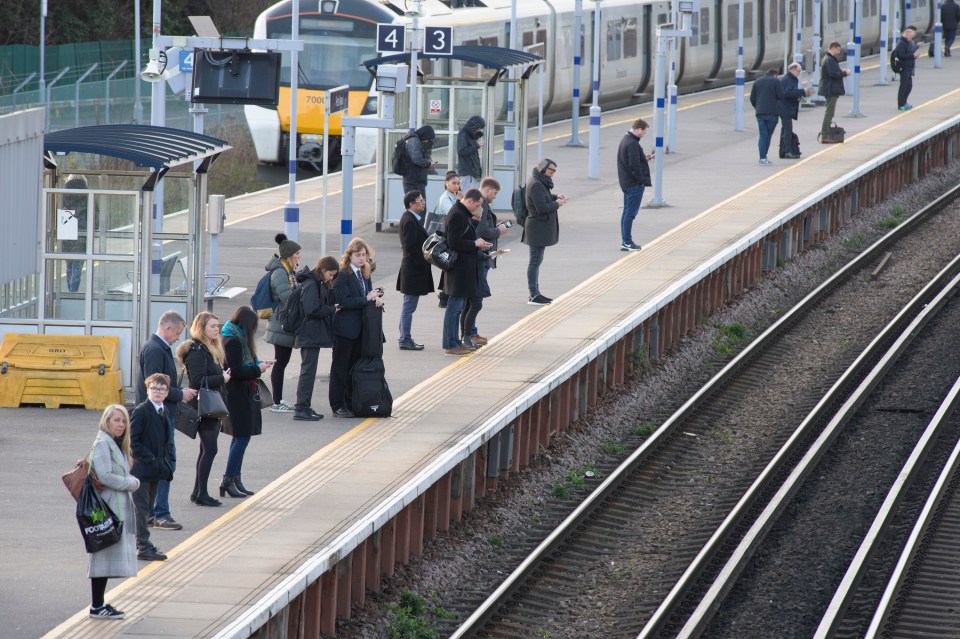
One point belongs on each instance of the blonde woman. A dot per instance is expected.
(111, 458)
(203, 358)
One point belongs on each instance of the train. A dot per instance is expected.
(339, 35)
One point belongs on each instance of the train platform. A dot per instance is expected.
(325, 486)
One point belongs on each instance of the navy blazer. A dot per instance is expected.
(348, 321)
(150, 442)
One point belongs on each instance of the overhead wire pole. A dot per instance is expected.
(671, 146)
(291, 210)
(884, 34)
(659, 78)
(577, 51)
(741, 74)
(414, 45)
(593, 162)
(158, 117)
(510, 131)
(857, 22)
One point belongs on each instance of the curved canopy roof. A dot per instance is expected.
(155, 147)
(495, 58)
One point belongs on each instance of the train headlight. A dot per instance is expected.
(369, 107)
(329, 6)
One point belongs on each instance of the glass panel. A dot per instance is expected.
(631, 47)
(694, 30)
(171, 271)
(68, 217)
(733, 19)
(332, 43)
(115, 218)
(113, 290)
(566, 38)
(704, 26)
(747, 20)
(807, 13)
(613, 40)
(66, 286)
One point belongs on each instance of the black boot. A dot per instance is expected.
(240, 486)
(227, 487)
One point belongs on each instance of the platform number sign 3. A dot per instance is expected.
(390, 38)
(438, 41)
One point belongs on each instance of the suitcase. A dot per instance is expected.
(371, 394)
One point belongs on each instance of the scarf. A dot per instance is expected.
(230, 329)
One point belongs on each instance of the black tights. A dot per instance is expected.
(98, 588)
(282, 355)
(208, 450)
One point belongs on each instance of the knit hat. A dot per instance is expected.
(287, 247)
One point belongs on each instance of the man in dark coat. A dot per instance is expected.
(790, 109)
(469, 143)
(415, 278)
(152, 458)
(907, 54)
(418, 151)
(487, 228)
(633, 172)
(949, 18)
(157, 357)
(542, 227)
(831, 87)
(316, 332)
(463, 280)
(765, 97)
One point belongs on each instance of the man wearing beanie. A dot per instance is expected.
(281, 267)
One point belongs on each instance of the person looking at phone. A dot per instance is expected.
(462, 282)
(436, 219)
(542, 228)
(489, 229)
(316, 332)
(633, 171)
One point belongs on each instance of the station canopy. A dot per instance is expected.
(498, 59)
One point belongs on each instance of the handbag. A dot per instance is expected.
(74, 479)
(437, 252)
(262, 394)
(99, 525)
(187, 421)
(211, 404)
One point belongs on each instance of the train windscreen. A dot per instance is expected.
(334, 49)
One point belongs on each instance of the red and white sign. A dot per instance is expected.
(434, 107)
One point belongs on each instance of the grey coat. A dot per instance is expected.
(120, 559)
(542, 227)
(281, 284)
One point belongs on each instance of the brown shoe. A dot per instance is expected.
(479, 341)
(459, 351)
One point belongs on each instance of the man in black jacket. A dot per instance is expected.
(415, 277)
(907, 55)
(790, 109)
(633, 171)
(542, 226)
(949, 18)
(418, 152)
(152, 458)
(831, 87)
(765, 97)
(156, 357)
(469, 143)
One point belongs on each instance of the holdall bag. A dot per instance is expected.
(187, 420)
(74, 479)
(437, 252)
(211, 404)
(262, 394)
(99, 525)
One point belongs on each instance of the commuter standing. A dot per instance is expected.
(316, 332)
(831, 88)
(352, 289)
(765, 97)
(77, 204)
(949, 18)
(463, 280)
(156, 357)
(415, 278)
(282, 268)
(239, 337)
(633, 171)
(469, 143)
(789, 110)
(110, 459)
(438, 217)
(489, 229)
(418, 152)
(150, 442)
(542, 227)
(907, 55)
(203, 358)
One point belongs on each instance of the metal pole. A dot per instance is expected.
(906, 15)
(575, 112)
(593, 163)
(510, 130)
(158, 117)
(76, 95)
(414, 47)
(740, 75)
(671, 144)
(798, 47)
(540, 112)
(884, 34)
(347, 149)
(107, 89)
(858, 21)
(659, 80)
(291, 210)
(42, 86)
(937, 39)
(817, 13)
(326, 167)
(137, 106)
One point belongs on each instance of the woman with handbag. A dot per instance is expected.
(316, 331)
(243, 394)
(203, 359)
(111, 459)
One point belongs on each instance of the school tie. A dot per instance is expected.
(363, 288)
(160, 411)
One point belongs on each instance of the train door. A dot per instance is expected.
(620, 65)
(701, 51)
(752, 36)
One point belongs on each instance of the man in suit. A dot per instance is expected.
(157, 357)
(462, 282)
(152, 457)
(415, 278)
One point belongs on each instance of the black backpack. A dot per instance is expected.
(518, 201)
(400, 164)
(291, 315)
(895, 63)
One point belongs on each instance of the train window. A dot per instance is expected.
(631, 45)
(694, 30)
(807, 13)
(733, 21)
(614, 40)
(705, 23)
(873, 7)
(845, 11)
(662, 18)
(526, 38)
(566, 36)
(330, 46)
(832, 10)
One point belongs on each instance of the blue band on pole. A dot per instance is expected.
(156, 266)
(292, 168)
(291, 214)
(509, 105)
(673, 99)
(660, 103)
(509, 145)
(576, 93)
(346, 227)
(594, 121)
(576, 60)
(659, 142)
(741, 82)
(856, 40)
(739, 50)
(596, 85)
(856, 68)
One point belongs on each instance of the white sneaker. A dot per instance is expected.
(282, 407)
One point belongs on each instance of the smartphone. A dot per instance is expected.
(507, 223)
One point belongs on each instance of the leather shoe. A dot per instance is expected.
(479, 341)
(207, 500)
(410, 345)
(468, 344)
(459, 351)
(342, 412)
(307, 415)
(151, 554)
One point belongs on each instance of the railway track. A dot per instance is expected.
(658, 521)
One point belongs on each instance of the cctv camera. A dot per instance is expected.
(152, 72)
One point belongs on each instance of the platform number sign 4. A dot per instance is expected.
(186, 60)
(438, 40)
(390, 38)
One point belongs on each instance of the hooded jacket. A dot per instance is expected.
(418, 150)
(468, 147)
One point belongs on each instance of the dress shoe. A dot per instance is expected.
(479, 341)
(790, 156)
(239, 484)
(207, 500)
(228, 487)
(468, 344)
(151, 554)
(459, 351)
(307, 415)
(410, 345)
(342, 412)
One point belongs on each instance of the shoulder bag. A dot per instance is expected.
(187, 421)
(74, 479)
(262, 394)
(211, 403)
